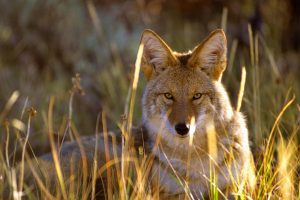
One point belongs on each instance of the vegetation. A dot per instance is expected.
(43, 44)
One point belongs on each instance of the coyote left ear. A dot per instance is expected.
(157, 55)
(210, 55)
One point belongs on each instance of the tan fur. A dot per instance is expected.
(199, 71)
(182, 75)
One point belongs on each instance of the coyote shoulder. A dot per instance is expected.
(197, 139)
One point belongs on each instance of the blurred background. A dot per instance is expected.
(44, 43)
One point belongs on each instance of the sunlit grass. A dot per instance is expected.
(273, 137)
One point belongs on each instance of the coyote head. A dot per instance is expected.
(182, 86)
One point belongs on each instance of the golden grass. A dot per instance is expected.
(274, 180)
(277, 164)
(242, 89)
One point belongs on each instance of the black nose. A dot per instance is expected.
(181, 129)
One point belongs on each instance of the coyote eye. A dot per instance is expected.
(168, 95)
(197, 96)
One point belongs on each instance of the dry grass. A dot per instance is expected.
(271, 107)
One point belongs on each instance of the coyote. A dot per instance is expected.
(197, 139)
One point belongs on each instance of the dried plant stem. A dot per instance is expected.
(242, 89)
(107, 157)
(33, 168)
(271, 136)
(224, 19)
(12, 100)
(6, 125)
(54, 150)
(134, 86)
(31, 114)
(95, 159)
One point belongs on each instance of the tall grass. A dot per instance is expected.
(272, 113)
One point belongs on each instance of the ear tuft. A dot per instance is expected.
(210, 55)
(157, 56)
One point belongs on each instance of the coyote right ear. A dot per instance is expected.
(210, 55)
(157, 55)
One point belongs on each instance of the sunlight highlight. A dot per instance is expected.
(192, 130)
(212, 140)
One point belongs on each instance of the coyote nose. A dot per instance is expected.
(181, 129)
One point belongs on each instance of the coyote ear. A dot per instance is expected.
(157, 56)
(210, 55)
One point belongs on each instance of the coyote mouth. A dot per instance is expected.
(182, 136)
